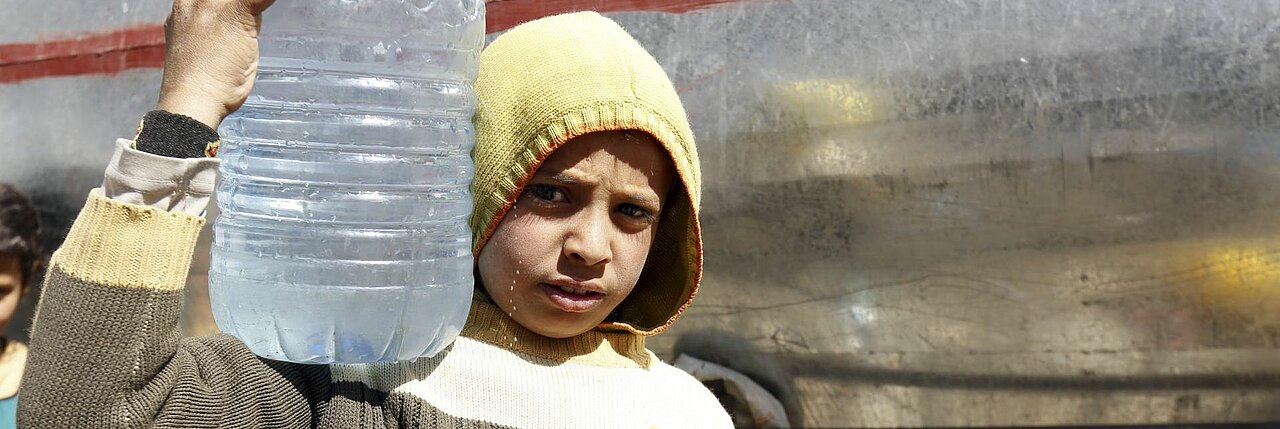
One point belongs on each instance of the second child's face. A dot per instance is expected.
(10, 286)
(575, 242)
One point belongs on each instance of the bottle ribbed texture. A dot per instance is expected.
(344, 183)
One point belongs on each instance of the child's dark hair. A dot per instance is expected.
(20, 233)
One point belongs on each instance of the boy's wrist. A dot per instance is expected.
(206, 113)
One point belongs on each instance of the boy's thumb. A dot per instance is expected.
(258, 6)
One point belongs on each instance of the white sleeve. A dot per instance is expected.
(171, 184)
(766, 410)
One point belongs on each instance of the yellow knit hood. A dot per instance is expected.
(547, 81)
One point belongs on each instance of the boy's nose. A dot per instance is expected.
(588, 240)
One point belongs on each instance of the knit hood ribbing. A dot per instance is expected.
(547, 81)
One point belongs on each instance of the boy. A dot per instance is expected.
(585, 230)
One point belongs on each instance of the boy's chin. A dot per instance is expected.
(559, 327)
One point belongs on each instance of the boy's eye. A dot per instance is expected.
(634, 211)
(546, 193)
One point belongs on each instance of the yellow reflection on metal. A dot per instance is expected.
(1243, 280)
(829, 102)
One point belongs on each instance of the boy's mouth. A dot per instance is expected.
(571, 299)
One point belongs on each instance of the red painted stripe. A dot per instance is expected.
(90, 53)
(108, 63)
(83, 44)
(143, 46)
(504, 14)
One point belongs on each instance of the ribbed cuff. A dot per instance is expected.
(175, 136)
(129, 246)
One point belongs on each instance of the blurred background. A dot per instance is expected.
(958, 213)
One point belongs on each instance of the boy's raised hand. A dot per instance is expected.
(211, 57)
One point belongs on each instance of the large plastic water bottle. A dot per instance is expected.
(344, 184)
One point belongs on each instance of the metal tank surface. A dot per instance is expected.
(990, 212)
(916, 213)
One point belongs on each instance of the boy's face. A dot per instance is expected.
(573, 245)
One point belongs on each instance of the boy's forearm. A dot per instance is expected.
(107, 321)
(106, 349)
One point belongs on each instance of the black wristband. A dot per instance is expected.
(175, 136)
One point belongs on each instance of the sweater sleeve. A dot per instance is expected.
(106, 350)
(171, 184)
